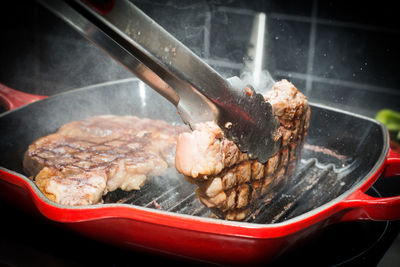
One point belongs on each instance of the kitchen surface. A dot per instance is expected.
(338, 53)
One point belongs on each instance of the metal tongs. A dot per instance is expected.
(200, 94)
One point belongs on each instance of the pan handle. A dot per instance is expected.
(392, 164)
(11, 99)
(360, 206)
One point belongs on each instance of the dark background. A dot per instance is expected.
(343, 54)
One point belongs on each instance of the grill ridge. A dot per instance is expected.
(312, 185)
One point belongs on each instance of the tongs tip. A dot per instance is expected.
(255, 131)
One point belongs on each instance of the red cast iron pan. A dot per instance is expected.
(357, 145)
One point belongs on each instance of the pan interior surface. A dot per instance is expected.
(341, 150)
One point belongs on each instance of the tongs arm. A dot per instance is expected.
(151, 53)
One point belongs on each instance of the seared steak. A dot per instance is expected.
(228, 181)
(85, 159)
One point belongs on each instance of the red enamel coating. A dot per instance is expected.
(364, 207)
(393, 164)
(12, 99)
(192, 237)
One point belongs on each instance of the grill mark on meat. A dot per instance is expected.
(244, 182)
(124, 150)
(93, 152)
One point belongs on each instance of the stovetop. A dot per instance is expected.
(338, 53)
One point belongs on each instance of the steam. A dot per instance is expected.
(253, 72)
(142, 93)
(261, 81)
(260, 19)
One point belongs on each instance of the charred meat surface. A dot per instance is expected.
(86, 159)
(228, 181)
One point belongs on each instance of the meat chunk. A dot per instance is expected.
(200, 152)
(85, 159)
(228, 181)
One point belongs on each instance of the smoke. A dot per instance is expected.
(261, 81)
(254, 72)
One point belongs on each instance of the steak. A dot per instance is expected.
(228, 181)
(85, 159)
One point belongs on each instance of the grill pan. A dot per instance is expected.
(343, 156)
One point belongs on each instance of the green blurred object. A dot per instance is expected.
(391, 119)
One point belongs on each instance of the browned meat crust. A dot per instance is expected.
(228, 181)
(85, 159)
